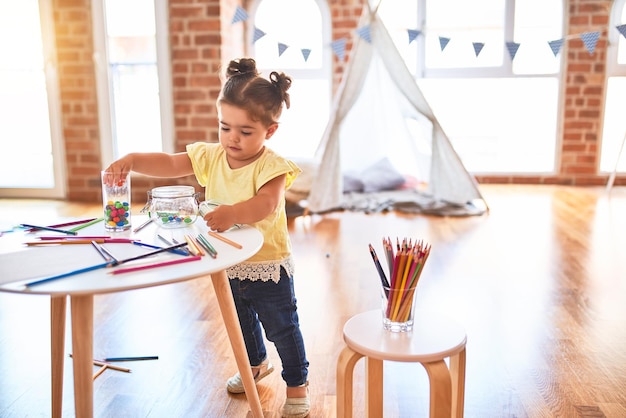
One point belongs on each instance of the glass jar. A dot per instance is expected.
(116, 203)
(173, 206)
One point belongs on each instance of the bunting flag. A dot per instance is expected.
(339, 48)
(282, 48)
(478, 46)
(240, 15)
(364, 33)
(590, 39)
(413, 34)
(443, 42)
(512, 47)
(555, 46)
(258, 34)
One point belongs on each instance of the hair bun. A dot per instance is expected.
(281, 82)
(243, 66)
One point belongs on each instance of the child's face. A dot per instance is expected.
(241, 137)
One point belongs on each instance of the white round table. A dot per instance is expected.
(20, 264)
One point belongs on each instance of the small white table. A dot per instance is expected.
(20, 264)
(433, 339)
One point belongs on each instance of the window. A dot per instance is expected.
(133, 77)
(32, 158)
(614, 127)
(303, 26)
(500, 113)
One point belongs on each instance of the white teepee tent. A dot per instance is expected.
(380, 113)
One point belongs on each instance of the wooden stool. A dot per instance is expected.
(433, 339)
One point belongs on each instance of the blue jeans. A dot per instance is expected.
(274, 306)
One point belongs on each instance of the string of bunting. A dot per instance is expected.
(338, 46)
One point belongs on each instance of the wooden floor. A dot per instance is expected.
(539, 284)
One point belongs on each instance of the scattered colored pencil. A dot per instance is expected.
(154, 265)
(80, 240)
(113, 262)
(85, 225)
(143, 244)
(207, 245)
(48, 228)
(113, 359)
(226, 240)
(193, 246)
(143, 225)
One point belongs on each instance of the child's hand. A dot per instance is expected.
(221, 218)
(116, 173)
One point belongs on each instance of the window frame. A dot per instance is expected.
(324, 72)
(46, 18)
(503, 71)
(104, 83)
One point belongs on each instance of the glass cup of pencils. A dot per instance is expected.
(404, 264)
(398, 308)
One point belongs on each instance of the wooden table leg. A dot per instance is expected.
(457, 373)
(440, 389)
(345, 377)
(231, 321)
(57, 348)
(82, 353)
(374, 387)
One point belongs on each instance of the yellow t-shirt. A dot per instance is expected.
(229, 186)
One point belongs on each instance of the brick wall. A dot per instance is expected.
(202, 39)
(79, 107)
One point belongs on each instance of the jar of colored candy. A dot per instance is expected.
(173, 206)
(116, 202)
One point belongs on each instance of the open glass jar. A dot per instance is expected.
(173, 206)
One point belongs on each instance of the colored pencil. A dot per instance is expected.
(47, 228)
(68, 274)
(56, 237)
(100, 251)
(154, 265)
(113, 359)
(226, 240)
(205, 242)
(85, 225)
(151, 253)
(143, 225)
(143, 244)
(193, 246)
(80, 240)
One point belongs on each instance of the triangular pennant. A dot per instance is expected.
(240, 15)
(556, 45)
(590, 39)
(364, 33)
(443, 42)
(622, 29)
(282, 48)
(512, 47)
(339, 48)
(258, 34)
(305, 53)
(413, 34)
(478, 46)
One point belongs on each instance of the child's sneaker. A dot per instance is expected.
(235, 384)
